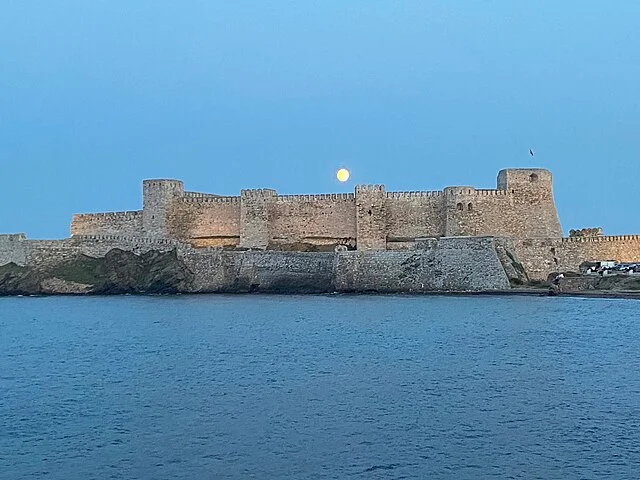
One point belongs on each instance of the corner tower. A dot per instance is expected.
(531, 191)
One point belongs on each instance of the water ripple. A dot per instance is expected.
(319, 387)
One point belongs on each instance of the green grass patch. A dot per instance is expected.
(80, 270)
(516, 264)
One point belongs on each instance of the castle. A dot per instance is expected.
(520, 207)
(361, 237)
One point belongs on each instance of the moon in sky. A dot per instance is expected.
(342, 175)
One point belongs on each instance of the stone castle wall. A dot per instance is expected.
(326, 220)
(16, 248)
(372, 219)
(540, 257)
(158, 199)
(13, 249)
(255, 214)
(448, 264)
(206, 221)
(412, 215)
(113, 223)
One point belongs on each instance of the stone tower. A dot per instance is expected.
(532, 193)
(371, 222)
(460, 218)
(254, 217)
(157, 197)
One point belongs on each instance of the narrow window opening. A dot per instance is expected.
(470, 207)
(370, 213)
(460, 207)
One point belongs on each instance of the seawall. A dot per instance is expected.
(540, 257)
(447, 264)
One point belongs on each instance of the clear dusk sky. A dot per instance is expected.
(97, 95)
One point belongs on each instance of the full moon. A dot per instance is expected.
(342, 175)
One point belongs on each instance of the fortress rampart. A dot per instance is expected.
(369, 219)
(18, 249)
(113, 223)
(448, 264)
(542, 256)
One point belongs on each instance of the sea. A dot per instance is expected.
(319, 387)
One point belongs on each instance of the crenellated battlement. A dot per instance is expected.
(416, 194)
(107, 223)
(12, 237)
(120, 238)
(449, 191)
(165, 183)
(491, 192)
(130, 214)
(369, 188)
(315, 197)
(258, 193)
(210, 199)
(199, 195)
(601, 238)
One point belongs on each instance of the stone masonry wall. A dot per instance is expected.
(468, 262)
(312, 220)
(540, 257)
(483, 212)
(114, 223)
(255, 226)
(43, 253)
(206, 221)
(451, 264)
(271, 271)
(533, 213)
(412, 215)
(158, 198)
(521, 207)
(371, 217)
(13, 249)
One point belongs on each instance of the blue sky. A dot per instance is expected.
(417, 95)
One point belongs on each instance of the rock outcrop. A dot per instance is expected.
(118, 272)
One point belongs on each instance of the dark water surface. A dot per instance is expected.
(314, 387)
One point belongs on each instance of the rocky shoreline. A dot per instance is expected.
(118, 272)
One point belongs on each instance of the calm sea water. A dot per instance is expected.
(315, 387)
